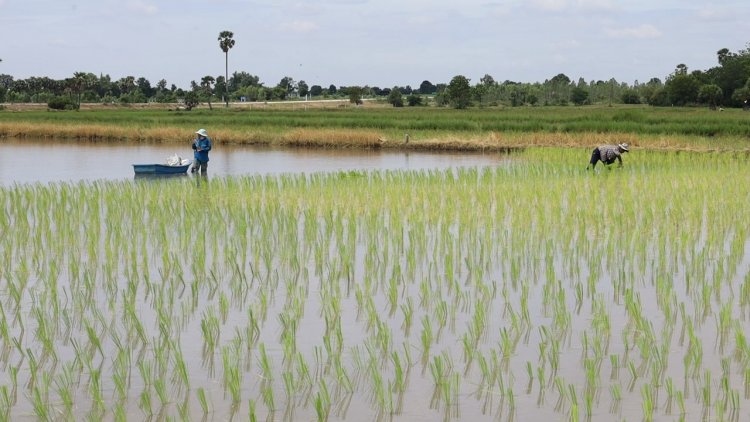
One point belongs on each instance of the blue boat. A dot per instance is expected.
(159, 169)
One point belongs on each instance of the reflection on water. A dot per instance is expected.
(45, 161)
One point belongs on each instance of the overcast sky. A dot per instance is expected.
(369, 42)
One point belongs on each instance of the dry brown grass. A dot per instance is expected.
(495, 141)
(367, 138)
(338, 138)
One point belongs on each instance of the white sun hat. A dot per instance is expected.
(202, 132)
(623, 146)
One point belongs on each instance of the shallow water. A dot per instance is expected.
(501, 271)
(45, 161)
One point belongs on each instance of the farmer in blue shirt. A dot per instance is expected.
(201, 146)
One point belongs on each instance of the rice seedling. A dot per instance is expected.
(203, 401)
(322, 403)
(326, 274)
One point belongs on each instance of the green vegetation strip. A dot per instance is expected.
(639, 123)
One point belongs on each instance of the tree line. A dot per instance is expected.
(727, 85)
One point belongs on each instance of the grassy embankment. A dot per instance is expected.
(337, 125)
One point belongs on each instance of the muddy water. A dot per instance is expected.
(47, 161)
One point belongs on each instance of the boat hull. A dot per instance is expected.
(159, 169)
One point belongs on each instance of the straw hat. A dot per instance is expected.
(202, 132)
(623, 146)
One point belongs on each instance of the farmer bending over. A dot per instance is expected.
(607, 154)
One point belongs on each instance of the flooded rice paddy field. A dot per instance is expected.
(519, 292)
(31, 160)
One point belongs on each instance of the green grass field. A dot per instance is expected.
(428, 127)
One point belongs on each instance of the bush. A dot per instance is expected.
(630, 96)
(191, 100)
(414, 100)
(62, 103)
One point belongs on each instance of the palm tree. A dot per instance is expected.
(226, 42)
(206, 84)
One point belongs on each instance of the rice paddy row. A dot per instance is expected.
(533, 289)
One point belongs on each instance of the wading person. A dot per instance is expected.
(201, 146)
(607, 154)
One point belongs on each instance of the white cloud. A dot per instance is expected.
(641, 32)
(141, 7)
(299, 26)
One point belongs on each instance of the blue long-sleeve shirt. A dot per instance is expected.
(201, 147)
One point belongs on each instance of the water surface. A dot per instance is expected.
(45, 161)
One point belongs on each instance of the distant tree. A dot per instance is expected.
(479, 93)
(207, 87)
(221, 86)
(316, 90)
(145, 87)
(287, 84)
(414, 100)
(659, 97)
(426, 88)
(710, 94)
(355, 95)
(742, 96)
(557, 89)
(630, 96)
(303, 89)
(190, 100)
(78, 83)
(126, 84)
(682, 88)
(487, 80)
(532, 99)
(6, 82)
(332, 89)
(723, 55)
(459, 92)
(731, 74)
(226, 43)
(62, 103)
(579, 96)
(243, 79)
(395, 98)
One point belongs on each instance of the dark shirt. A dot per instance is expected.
(610, 153)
